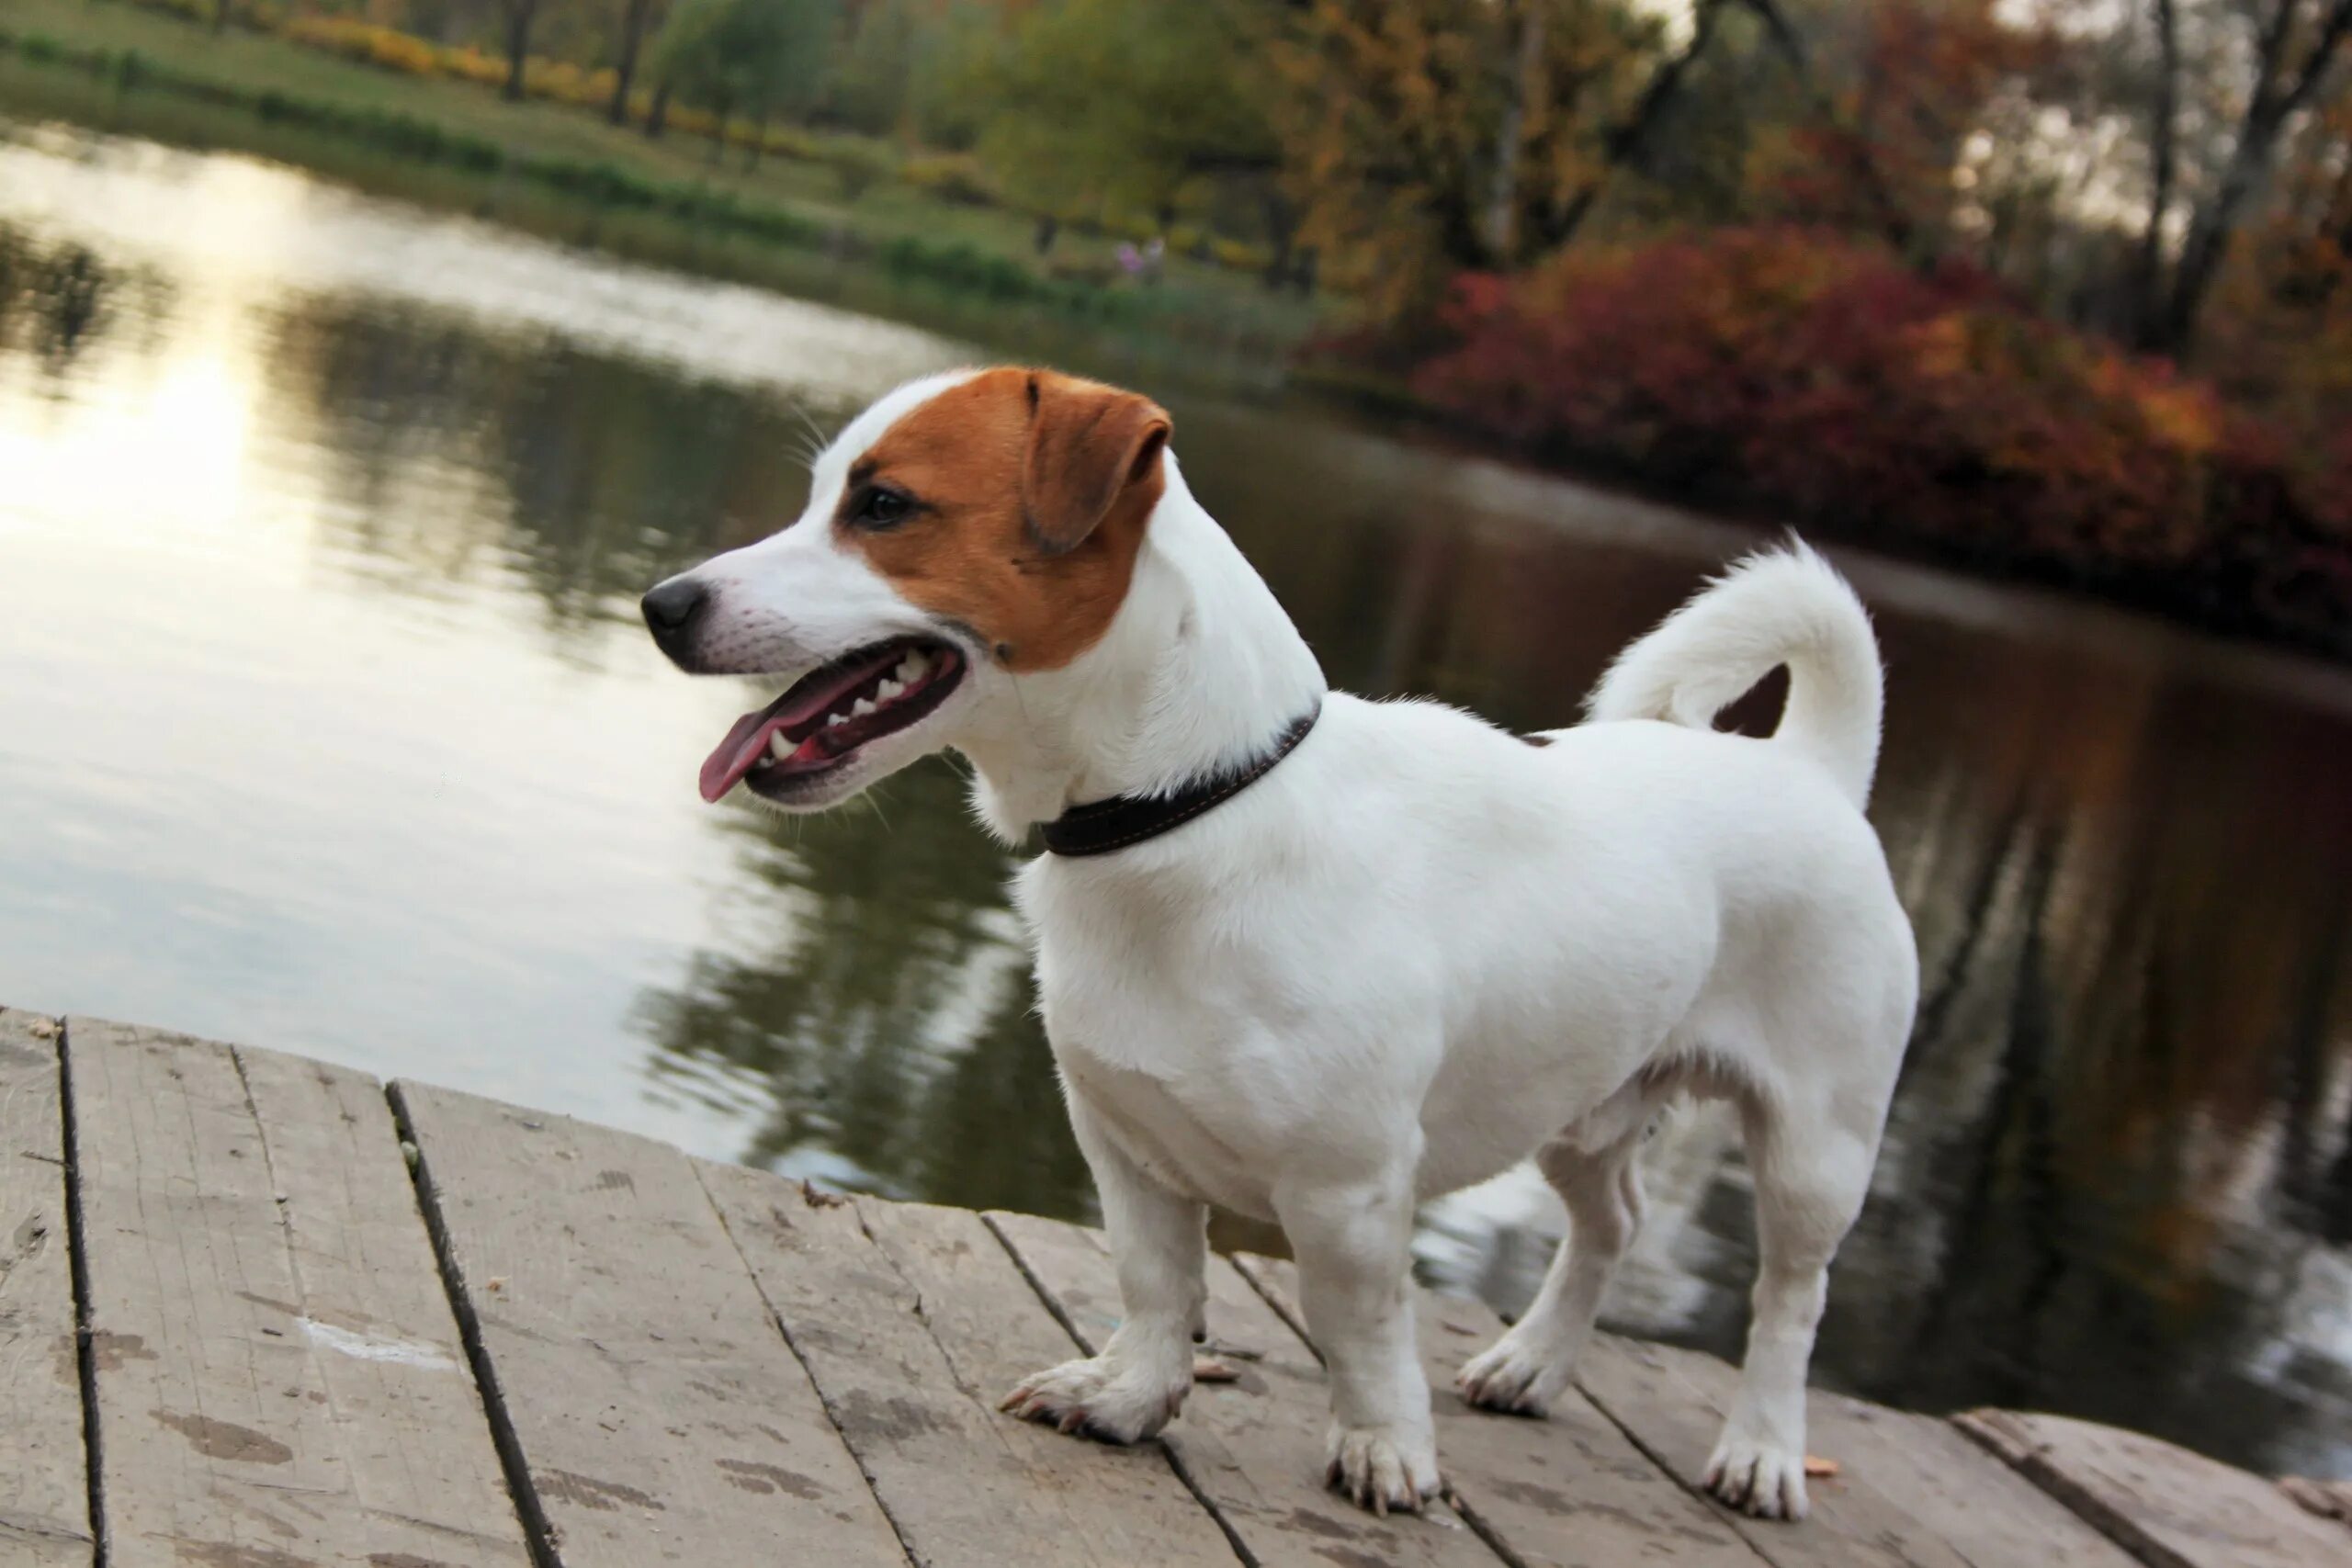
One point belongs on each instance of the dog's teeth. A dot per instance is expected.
(911, 667)
(833, 718)
(861, 707)
(780, 746)
(888, 690)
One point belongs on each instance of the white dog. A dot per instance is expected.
(1316, 958)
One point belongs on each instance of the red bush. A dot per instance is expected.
(1819, 379)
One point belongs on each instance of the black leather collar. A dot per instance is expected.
(1101, 826)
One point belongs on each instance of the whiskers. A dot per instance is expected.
(811, 445)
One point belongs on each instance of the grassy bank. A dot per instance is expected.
(556, 170)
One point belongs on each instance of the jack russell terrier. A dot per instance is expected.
(1318, 959)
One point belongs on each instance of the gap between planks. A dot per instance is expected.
(539, 1536)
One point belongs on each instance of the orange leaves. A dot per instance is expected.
(1802, 374)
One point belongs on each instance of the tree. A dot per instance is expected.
(637, 16)
(519, 15)
(1426, 137)
(1123, 103)
(2293, 48)
(763, 56)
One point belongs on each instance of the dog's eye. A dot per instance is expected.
(879, 506)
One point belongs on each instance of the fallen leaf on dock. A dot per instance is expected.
(1816, 1465)
(1208, 1369)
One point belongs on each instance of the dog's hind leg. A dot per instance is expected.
(1601, 1182)
(1353, 1239)
(1812, 1169)
(1134, 1386)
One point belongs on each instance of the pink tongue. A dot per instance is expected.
(747, 741)
(735, 755)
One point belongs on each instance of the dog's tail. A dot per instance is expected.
(1778, 606)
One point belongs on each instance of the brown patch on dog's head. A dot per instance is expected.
(1021, 498)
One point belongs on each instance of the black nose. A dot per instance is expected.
(671, 611)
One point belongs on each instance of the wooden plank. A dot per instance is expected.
(236, 1424)
(913, 1321)
(44, 1478)
(639, 1377)
(1928, 1468)
(1252, 1446)
(2170, 1507)
(2328, 1499)
(370, 1294)
(1671, 1402)
(1569, 1490)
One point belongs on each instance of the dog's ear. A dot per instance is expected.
(1090, 446)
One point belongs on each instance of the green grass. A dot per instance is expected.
(561, 171)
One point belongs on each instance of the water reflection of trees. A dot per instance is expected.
(2112, 1179)
(2119, 1168)
(60, 300)
(452, 451)
(885, 1006)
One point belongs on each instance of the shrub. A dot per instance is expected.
(1817, 378)
(950, 177)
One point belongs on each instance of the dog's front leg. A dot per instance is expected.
(1134, 1386)
(1354, 1240)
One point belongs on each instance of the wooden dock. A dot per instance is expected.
(260, 1312)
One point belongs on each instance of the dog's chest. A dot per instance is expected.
(1167, 1134)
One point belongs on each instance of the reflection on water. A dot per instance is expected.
(327, 726)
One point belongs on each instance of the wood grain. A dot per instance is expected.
(2328, 1499)
(1671, 1402)
(2170, 1507)
(660, 1415)
(269, 1390)
(1252, 1446)
(913, 1321)
(1565, 1490)
(44, 1477)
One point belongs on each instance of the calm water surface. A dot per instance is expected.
(325, 723)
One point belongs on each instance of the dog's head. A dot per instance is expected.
(965, 532)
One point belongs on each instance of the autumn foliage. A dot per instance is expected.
(1815, 378)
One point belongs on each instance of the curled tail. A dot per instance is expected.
(1778, 606)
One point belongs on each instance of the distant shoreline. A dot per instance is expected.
(117, 69)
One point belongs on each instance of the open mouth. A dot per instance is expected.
(833, 710)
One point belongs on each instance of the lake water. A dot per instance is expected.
(326, 724)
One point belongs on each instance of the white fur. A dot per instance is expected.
(1417, 952)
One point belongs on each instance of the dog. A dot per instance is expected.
(1317, 958)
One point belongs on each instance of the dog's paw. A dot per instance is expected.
(1382, 1468)
(1759, 1478)
(1514, 1377)
(1100, 1399)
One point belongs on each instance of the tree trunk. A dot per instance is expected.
(1281, 231)
(759, 136)
(2268, 114)
(1502, 196)
(2161, 132)
(219, 15)
(1625, 138)
(1893, 222)
(624, 69)
(656, 115)
(717, 133)
(518, 46)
